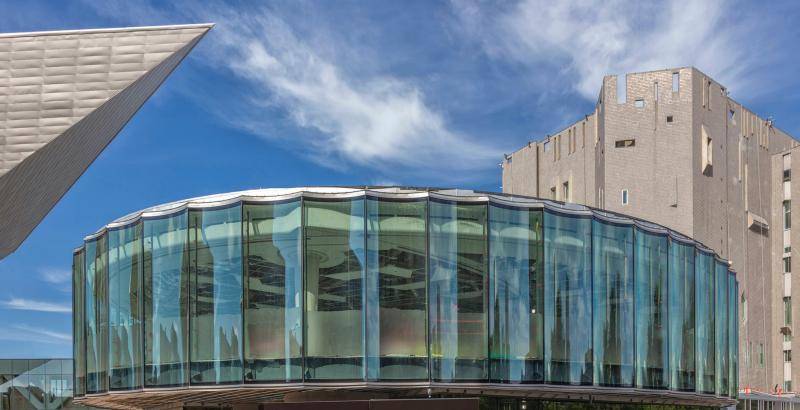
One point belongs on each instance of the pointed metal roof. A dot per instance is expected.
(64, 95)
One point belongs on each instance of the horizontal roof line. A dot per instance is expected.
(105, 30)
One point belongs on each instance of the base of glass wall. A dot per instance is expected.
(261, 394)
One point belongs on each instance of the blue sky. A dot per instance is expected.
(350, 93)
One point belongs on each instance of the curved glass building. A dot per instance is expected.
(424, 291)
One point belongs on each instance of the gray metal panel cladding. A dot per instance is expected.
(53, 126)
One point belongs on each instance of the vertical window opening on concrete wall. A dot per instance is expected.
(670, 119)
(565, 192)
(639, 103)
(676, 82)
(97, 315)
(706, 152)
(568, 299)
(166, 275)
(787, 215)
(624, 197)
(396, 290)
(722, 356)
(787, 264)
(787, 310)
(125, 276)
(516, 295)
(655, 91)
(682, 326)
(457, 300)
(79, 322)
(273, 284)
(705, 324)
(612, 311)
(215, 268)
(651, 310)
(334, 271)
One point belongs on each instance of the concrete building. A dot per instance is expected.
(671, 146)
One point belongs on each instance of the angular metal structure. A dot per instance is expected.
(64, 96)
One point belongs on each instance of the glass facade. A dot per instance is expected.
(399, 288)
(45, 384)
(516, 295)
(124, 305)
(651, 309)
(612, 311)
(457, 304)
(273, 314)
(166, 301)
(705, 346)
(215, 295)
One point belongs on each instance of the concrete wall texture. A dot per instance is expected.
(691, 158)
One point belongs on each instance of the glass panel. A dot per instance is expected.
(396, 291)
(125, 273)
(96, 315)
(612, 323)
(516, 289)
(721, 328)
(215, 272)
(568, 299)
(681, 317)
(652, 354)
(457, 300)
(334, 269)
(165, 300)
(79, 322)
(704, 297)
(273, 315)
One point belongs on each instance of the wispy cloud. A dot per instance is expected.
(55, 275)
(345, 115)
(581, 41)
(25, 333)
(374, 121)
(36, 305)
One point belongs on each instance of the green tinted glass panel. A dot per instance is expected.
(97, 315)
(457, 306)
(215, 274)
(273, 292)
(165, 301)
(125, 327)
(334, 271)
(650, 282)
(721, 327)
(681, 293)
(78, 322)
(704, 322)
(516, 295)
(568, 299)
(396, 291)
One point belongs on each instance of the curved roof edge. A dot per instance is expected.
(269, 195)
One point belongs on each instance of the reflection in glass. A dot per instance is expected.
(96, 315)
(165, 300)
(704, 311)
(721, 328)
(612, 246)
(568, 298)
(733, 335)
(273, 280)
(652, 353)
(516, 294)
(681, 317)
(334, 272)
(125, 328)
(79, 322)
(395, 309)
(215, 274)
(457, 300)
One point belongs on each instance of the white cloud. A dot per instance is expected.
(25, 333)
(55, 275)
(585, 40)
(36, 305)
(373, 120)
